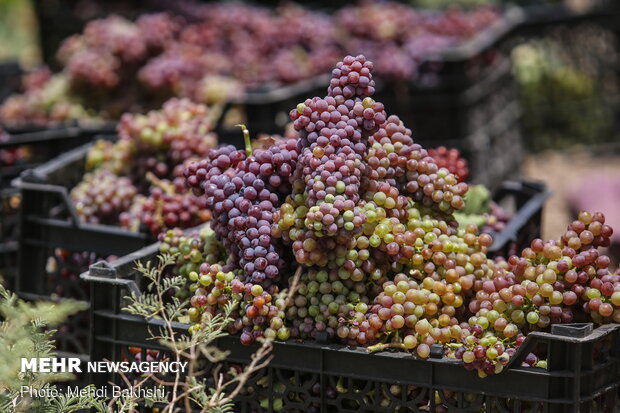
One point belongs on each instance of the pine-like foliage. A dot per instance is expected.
(26, 332)
(165, 309)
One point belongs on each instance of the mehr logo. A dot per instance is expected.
(51, 365)
(72, 365)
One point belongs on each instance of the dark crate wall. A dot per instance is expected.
(40, 146)
(10, 78)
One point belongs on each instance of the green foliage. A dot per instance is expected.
(25, 333)
(477, 203)
(158, 306)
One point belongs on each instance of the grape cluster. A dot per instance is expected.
(243, 191)
(101, 196)
(345, 224)
(163, 139)
(48, 103)
(550, 282)
(168, 205)
(111, 156)
(158, 30)
(496, 218)
(451, 160)
(400, 39)
(103, 56)
(335, 210)
(415, 173)
(200, 260)
(367, 217)
(136, 181)
(483, 212)
(94, 69)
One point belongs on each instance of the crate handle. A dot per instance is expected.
(525, 213)
(59, 191)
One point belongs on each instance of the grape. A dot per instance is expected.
(137, 181)
(365, 216)
(94, 68)
(45, 105)
(214, 52)
(159, 30)
(163, 139)
(169, 205)
(63, 269)
(101, 197)
(451, 160)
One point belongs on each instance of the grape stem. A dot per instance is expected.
(294, 285)
(215, 112)
(246, 139)
(167, 187)
(385, 346)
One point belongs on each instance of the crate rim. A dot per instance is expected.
(42, 135)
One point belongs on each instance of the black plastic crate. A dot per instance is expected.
(54, 246)
(582, 376)
(49, 222)
(524, 202)
(267, 110)
(541, 14)
(10, 200)
(39, 145)
(10, 78)
(36, 147)
(50, 226)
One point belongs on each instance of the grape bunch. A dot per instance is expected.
(63, 269)
(428, 303)
(337, 215)
(136, 182)
(550, 282)
(483, 212)
(216, 52)
(451, 160)
(102, 196)
(243, 190)
(168, 205)
(389, 172)
(48, 103)
(103, 56)
(165, 138)
(111, 156)
(200, 260)
(91, 68)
